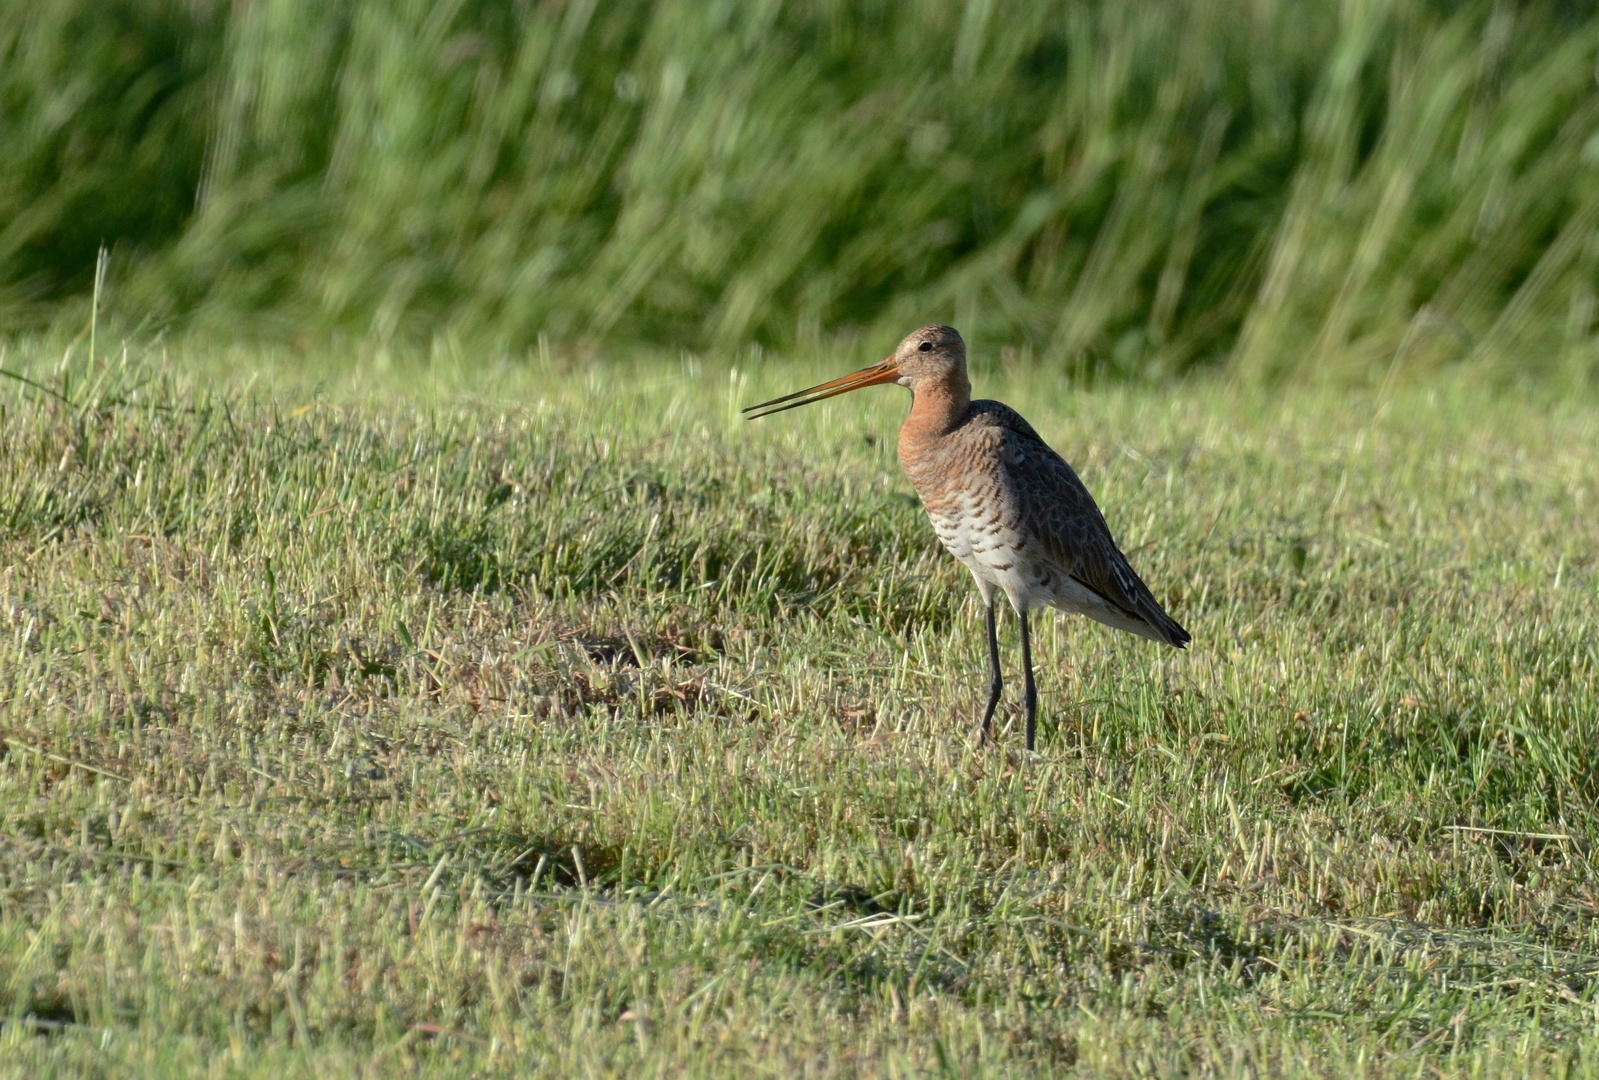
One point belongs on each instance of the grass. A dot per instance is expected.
(546, 719)
(1281, 186)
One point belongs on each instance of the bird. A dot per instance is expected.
(1003, 502)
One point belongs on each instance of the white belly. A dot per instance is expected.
(1000, 559)
(997, 558)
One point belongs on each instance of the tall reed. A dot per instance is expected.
(1289, 187)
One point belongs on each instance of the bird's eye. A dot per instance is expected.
(926, 346)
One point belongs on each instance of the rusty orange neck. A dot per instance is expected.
(937, 409)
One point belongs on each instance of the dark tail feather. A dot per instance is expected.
(1176, 636)
(1170, 629)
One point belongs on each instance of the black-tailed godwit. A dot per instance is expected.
(1003, 503)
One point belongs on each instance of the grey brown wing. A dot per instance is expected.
(1066, 523)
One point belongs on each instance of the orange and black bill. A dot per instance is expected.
(885, 372)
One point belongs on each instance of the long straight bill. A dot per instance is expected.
(876, 375)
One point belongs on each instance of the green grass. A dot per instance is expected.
(1283, 186)
(376, 717)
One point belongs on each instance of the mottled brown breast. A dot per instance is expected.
(960, 477)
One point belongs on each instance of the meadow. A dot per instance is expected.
(411, 664)
(381, 715)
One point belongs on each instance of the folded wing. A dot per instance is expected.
(1065, 524)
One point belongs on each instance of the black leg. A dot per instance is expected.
(1031, 692)
(996, 684)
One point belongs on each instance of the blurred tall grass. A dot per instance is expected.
(1287, 186)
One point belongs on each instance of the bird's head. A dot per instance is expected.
(931, 356)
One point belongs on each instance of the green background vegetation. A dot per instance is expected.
(1285, 185)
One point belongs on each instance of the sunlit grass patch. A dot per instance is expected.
(540, 719)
